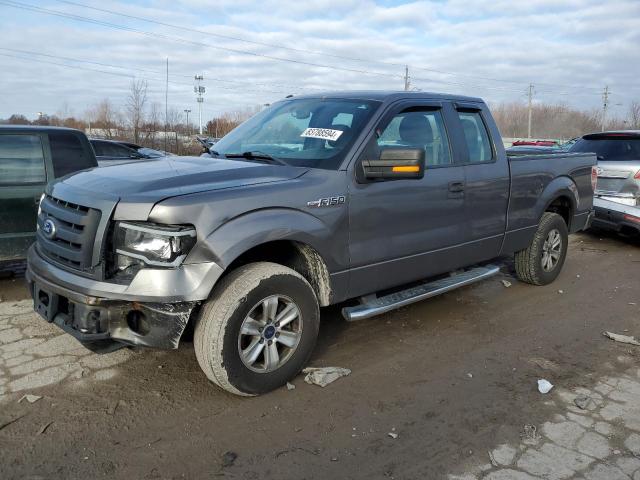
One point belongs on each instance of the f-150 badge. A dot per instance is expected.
(327, 202)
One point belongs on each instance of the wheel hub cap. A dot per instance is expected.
(270, 334)
(551, 250)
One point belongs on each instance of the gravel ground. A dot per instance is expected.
(453, 379)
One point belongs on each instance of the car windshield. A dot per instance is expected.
(313, 133)
(610, 148)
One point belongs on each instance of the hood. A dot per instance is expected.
(172, 176)
(131, 190)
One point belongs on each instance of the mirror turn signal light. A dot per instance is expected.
(406, 169)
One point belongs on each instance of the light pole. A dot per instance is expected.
(187, 111)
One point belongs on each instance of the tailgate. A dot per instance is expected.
(617, 178)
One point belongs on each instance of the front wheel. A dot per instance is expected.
(258, 329)
(541, 262)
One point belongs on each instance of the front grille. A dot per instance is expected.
(75, 231)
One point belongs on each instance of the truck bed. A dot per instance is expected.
(535, 174)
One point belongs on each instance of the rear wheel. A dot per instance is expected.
(542, 261)
(258, 329)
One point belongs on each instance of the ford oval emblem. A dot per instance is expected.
(49, 229)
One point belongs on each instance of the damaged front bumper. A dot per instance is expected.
(105, 325)
(105, 320)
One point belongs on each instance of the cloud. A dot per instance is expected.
(569, 50)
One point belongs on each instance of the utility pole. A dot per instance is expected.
(407, 82)
(530, 109)
(187, 111)
(166, 106)
(199, 90)
(605, 106)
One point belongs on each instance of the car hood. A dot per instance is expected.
(172, 176)
(134, 188)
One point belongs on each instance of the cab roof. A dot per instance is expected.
(35, 128)
(388, 95)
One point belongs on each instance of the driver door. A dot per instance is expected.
(402, 230)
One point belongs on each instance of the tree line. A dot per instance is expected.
(559, 121)
(148, 124)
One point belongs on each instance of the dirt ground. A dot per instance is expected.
(455, 378)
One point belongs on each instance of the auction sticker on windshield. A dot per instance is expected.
(323, 133)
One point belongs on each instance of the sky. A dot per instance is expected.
(63, 57)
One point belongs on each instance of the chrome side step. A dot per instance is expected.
(377, 305)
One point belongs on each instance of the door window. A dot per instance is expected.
(419, 129)
(21, 160)
(67, 154)
(477, 137)
(98, 148)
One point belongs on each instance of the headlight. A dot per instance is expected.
(158, 245)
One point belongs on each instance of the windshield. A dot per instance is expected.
(306, 132)
(610, 148)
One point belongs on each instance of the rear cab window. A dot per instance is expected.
(68, 154)
(21, 160)
(476, 136)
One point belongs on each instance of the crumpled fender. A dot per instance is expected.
(254, 228)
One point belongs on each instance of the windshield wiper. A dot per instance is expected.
(256, 155)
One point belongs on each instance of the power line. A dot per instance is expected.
(81, 18)
(229, 37)
(69, 66)
(156, 72)
(182, 40)
(172, 82)
(313, 52)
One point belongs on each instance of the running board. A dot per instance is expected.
(377, 305)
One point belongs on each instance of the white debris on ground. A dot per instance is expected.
(544, 386)
(325, 375)
(506, 283)
(622, 338)
(30, 398)
(34, 353)
(596, 436)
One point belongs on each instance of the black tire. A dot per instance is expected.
(528, 262)
(217, 333)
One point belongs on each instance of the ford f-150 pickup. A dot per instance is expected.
(373, 197)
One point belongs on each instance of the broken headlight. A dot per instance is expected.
(136, 244)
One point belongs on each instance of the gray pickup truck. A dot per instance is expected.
(374, 196)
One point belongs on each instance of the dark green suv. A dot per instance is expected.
(31, 156)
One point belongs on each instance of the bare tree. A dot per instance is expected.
(105, 119)
(220, 126)
(174, 118)
(17, 119)
(634, 115)
(136, 103)
(154, 125)
(548, 121)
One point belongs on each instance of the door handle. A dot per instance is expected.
(456, 187)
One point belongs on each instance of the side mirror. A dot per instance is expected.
(396, 163)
